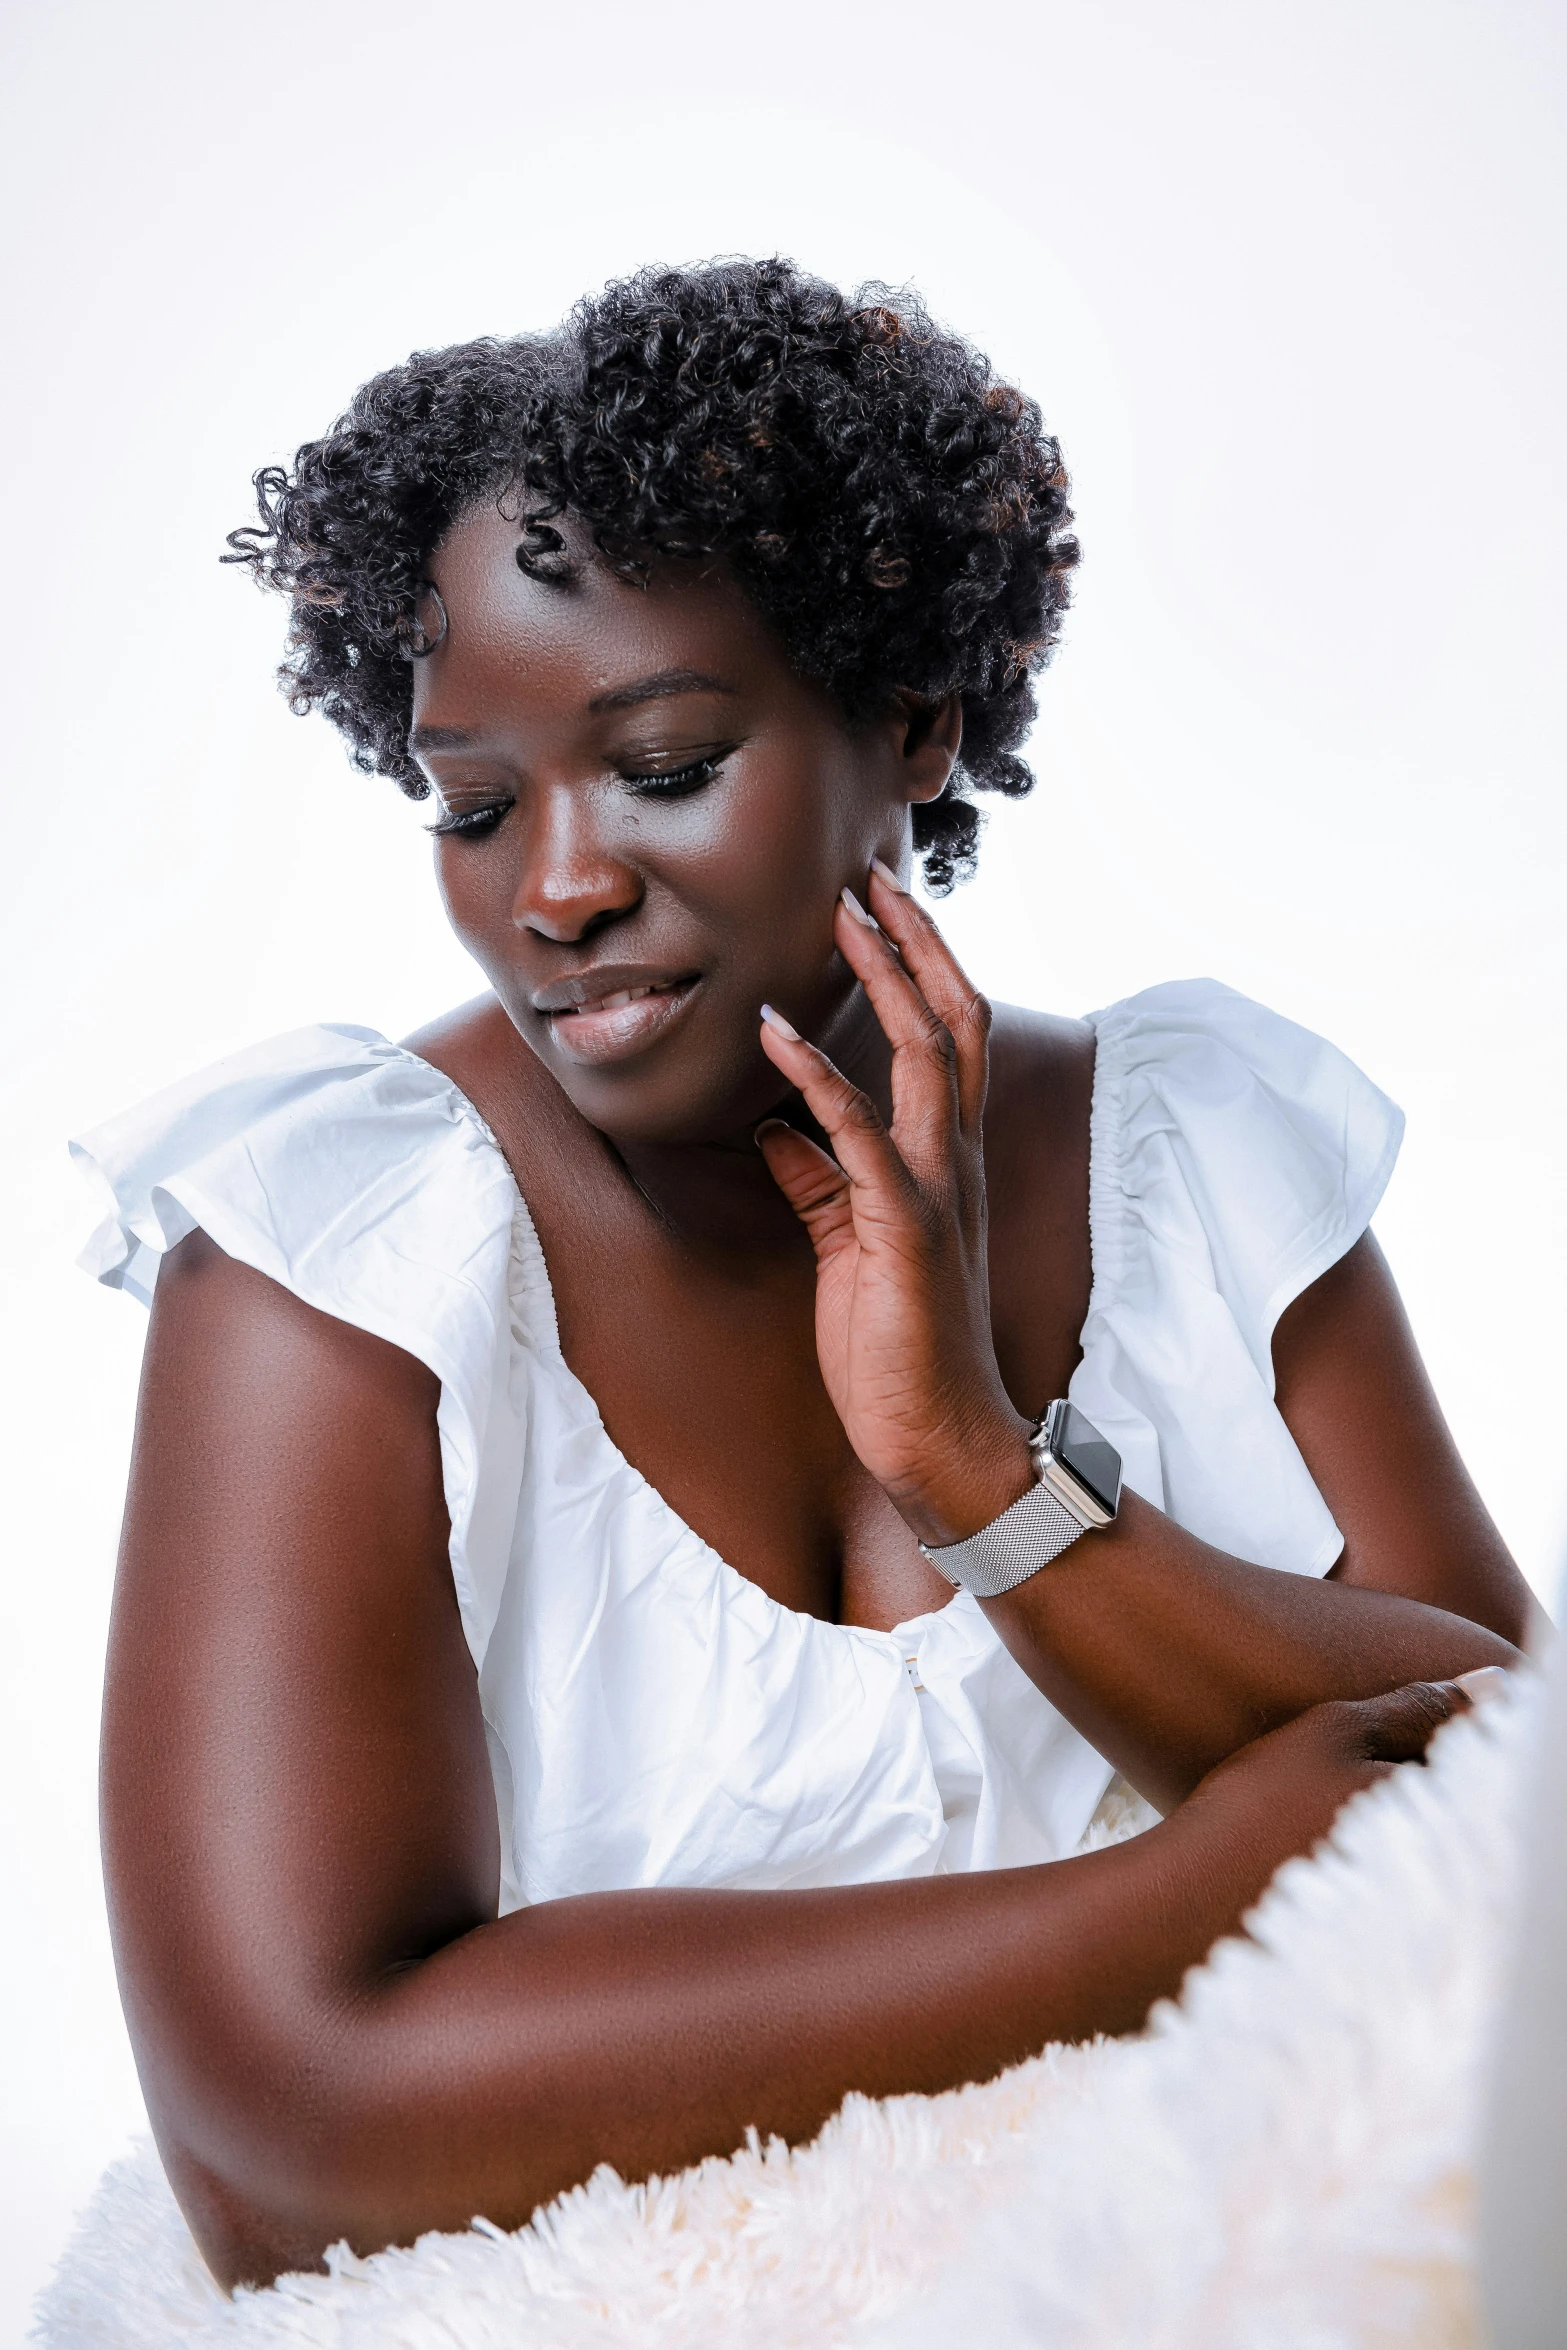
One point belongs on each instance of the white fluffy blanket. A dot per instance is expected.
(1283, 2161)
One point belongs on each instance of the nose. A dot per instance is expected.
(571, 883)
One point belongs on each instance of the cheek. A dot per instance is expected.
(476, 891)
(788, 839)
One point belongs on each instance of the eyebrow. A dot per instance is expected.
(660, 687)
(440, 738)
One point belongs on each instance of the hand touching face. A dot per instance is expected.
(897, 1218)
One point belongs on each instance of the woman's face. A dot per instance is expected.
(644, 821)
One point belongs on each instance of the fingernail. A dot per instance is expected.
(889, 877)
(776, 1020)
(1484, 1683)
(858, 911)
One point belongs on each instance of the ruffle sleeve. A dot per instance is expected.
(357, 1176)
(1234, 1158)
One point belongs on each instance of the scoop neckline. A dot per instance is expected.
(537, 1267)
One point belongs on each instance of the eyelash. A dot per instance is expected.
(468, 823)
(676, 783)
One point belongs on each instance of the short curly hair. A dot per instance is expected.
(897, 514)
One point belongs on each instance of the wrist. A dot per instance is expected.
(979, 1478)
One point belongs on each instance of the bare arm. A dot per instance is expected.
(336, 2035)
(1358, 1402)
(1169, 1654)
(1165, 1652)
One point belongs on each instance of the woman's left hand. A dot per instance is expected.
(899, 1229)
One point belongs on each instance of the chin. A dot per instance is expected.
(673, 1097)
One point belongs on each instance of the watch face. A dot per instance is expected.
(1078, 1446)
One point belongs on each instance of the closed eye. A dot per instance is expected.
(469, 823)
(675, 783)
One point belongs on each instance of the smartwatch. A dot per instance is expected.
(1078, 1486)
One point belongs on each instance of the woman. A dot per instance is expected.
(470, 1818)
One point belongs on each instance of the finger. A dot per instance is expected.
(814, 1185)
(925, 1106)
(943, 982)
(880, 1187)
(1400, 1726)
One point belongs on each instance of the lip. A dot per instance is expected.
(614, 1011)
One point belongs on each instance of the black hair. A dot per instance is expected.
(897, 514)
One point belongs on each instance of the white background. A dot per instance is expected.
(1288, 279)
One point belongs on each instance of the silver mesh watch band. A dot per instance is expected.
(1012, 1547)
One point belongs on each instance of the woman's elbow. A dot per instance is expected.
(276, 2153)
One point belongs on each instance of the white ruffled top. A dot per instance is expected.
(653, 1717)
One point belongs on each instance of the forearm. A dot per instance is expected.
(1168, 1655)
(648, 2030)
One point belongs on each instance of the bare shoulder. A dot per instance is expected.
(469, 1044)
(226, 1337)
(479, 1049)
(1041, 1081)
(1041, 1043)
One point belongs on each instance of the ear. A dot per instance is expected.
(929, 735)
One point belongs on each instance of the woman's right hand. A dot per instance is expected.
(1280, 1795)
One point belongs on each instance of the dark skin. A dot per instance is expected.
(818, 1360)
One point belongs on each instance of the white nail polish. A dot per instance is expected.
(889, 877)
(1484, 1683)
(776, 1020)
(868, 921)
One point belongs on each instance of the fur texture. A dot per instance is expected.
(1283, 2159)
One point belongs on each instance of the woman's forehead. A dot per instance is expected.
(583, 633)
